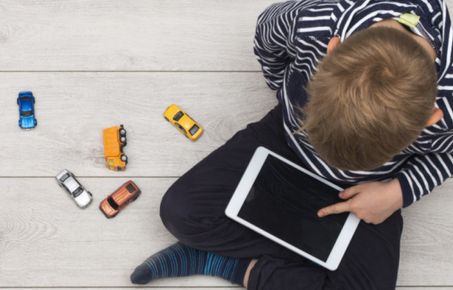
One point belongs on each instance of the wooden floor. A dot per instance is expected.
(93, 64)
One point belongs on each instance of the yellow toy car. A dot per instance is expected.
(183, 122)
(114, 141)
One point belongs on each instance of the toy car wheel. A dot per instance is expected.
(123, 140)
(123, 158)
(123, 132)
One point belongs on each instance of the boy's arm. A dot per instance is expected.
(422, 174)
(274, 29)
(374, 202)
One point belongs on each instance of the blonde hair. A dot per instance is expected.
(369, 98)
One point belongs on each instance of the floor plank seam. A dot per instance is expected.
(94, 176)
(130, 71)
(123, 287)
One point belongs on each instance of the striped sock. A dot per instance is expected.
(180, 260)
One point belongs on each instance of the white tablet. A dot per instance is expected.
(279, 200)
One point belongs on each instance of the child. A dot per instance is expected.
(365, 91)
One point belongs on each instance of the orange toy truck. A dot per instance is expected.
(114, 141)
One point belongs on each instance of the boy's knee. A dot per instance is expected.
(178, 212)
(171, 210)
(190, 212)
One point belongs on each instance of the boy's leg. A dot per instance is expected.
(371, 262)
(193, 207)
(193, 210)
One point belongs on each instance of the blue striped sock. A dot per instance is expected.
(180, 260)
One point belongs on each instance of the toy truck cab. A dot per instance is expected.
(114, 142)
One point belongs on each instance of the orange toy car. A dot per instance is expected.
(114, 141)
(121, 197)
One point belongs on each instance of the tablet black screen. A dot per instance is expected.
(284, 201)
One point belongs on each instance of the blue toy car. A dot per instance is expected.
(26, 102)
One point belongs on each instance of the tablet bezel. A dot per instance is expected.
(243, 189)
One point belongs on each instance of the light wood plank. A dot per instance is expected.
(223, 288)
(164, 287)
(427, 240)
(73, 108)
(45, 240)
(128, 35)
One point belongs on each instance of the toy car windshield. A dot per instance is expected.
(64, 177)
(112, 203)
(130, 188)
(26, 113)
(178, 116)
(194, 129)
(77, 192)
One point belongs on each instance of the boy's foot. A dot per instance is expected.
(180, 260)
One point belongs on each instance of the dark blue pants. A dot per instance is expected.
(193, 211)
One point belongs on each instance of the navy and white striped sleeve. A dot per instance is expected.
(422, 173)
(275, 28)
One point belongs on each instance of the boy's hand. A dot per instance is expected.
(372, 202)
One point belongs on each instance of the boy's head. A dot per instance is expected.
(370, 98)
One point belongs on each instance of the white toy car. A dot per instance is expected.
(81, 196)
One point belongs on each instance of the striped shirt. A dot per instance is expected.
(292, 37)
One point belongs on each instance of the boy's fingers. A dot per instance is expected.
(349, 192)
(334, 209)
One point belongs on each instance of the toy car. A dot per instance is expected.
(115, 202)
(114, 142)
(81, 196)
(183, 122)
(26, 102)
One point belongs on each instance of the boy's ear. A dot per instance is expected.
(436, 115)
(333, 42)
